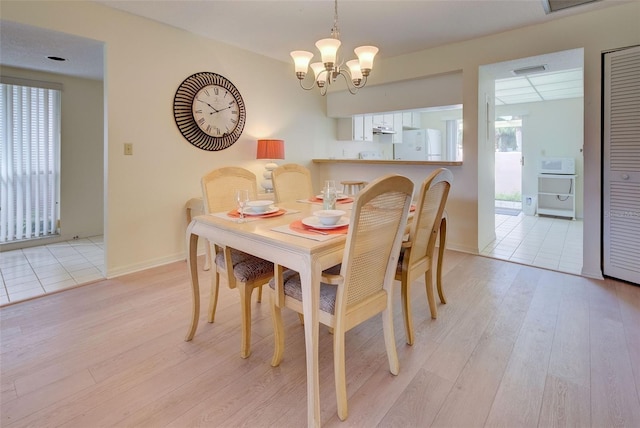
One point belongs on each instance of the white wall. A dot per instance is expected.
(554, 129)
(145, 61)
(596, 32)
(81, 152)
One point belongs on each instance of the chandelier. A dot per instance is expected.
(354, 72)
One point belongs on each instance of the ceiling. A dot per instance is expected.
(274, 28)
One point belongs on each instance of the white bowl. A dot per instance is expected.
(259, 206)
(329, 217)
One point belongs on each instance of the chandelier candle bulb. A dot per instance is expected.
(328, 51)
(356, 73)
(365, 56)
(320, 73)
(301, 60)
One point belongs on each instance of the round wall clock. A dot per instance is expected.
(209, 111)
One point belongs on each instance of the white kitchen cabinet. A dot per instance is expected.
(362, 128)
(557, 195)
(411, 120)
(385, 120)
(397, 127)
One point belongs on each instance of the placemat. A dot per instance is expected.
(317, 200)
(296, 228)
(236, 214)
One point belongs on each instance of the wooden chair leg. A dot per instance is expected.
(389, 339)
(213, 296)
(428, 279)
(443, 241)
(259, 294)
(245, 305)
(406, 311)
(278, 332)
(339, 372)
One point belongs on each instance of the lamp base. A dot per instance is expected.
(267, 183)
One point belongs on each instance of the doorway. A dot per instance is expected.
(508, 165)
(76, 255)
(534, 109)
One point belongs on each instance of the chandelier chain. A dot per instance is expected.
(335, 31)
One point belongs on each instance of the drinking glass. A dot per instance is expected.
(242, 197)
(329, 195)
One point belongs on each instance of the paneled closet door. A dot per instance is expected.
(621, 166)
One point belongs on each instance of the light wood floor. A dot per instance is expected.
(515, 346)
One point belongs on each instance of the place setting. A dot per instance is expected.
(256, 209)
(323, 225)
(341, 198)
(251, 210)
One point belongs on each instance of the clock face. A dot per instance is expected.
(215, 111)
(209, 111)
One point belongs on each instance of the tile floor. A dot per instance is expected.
(35, 271)
(547, 242)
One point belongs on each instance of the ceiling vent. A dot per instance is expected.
(530, 70)
(556, 5)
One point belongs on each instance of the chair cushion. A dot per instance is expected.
(246, 267)
(399, 265)
(293, 288)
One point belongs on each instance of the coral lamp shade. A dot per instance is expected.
(270, 149)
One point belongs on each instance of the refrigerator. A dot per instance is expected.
(419, 144)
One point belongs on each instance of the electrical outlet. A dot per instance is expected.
(128, 149)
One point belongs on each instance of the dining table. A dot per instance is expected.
(281, 240)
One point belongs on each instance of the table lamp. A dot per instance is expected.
(271, 150)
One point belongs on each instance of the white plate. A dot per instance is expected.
(340, 197)
(249, 211)
(314, 222)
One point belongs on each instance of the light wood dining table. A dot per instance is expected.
(306, 255)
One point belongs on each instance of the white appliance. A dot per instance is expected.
(419, 144)
(563, 166)
(371, 155)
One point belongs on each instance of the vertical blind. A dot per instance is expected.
(29, 161)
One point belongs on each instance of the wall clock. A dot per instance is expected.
(209, 111)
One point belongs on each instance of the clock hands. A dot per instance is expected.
(218, 111)
(212, 107)
(215, 110)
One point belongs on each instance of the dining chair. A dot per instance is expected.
(416, 254)
(292, 182)
(241, 270)
(362, 285)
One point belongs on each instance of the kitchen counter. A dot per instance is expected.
(388, 162)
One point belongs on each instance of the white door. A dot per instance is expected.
(621, 166)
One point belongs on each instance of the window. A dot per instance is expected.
(29, 159)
